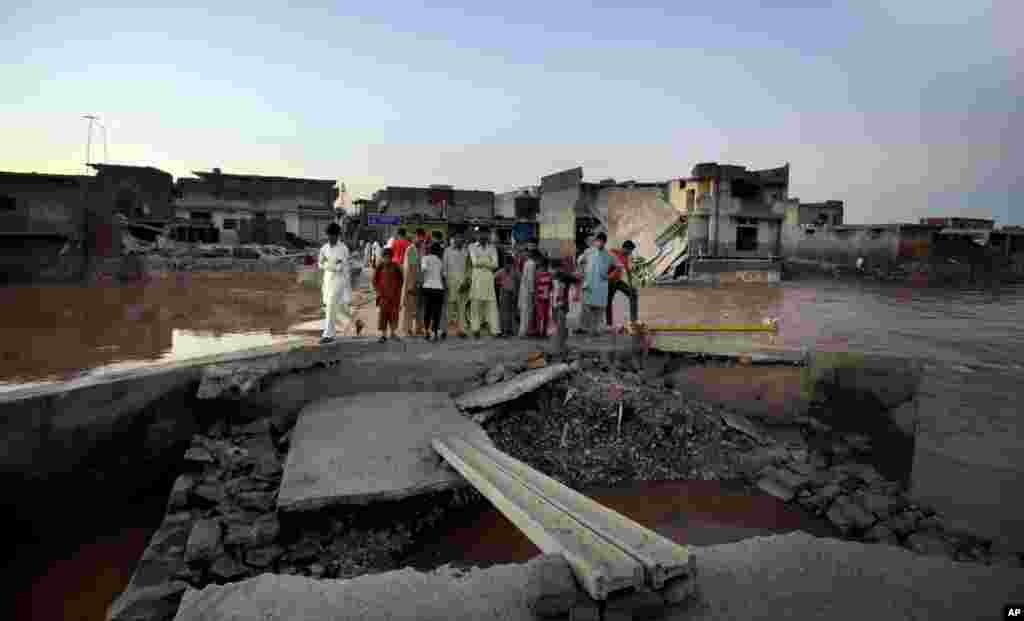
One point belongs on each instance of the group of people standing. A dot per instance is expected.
(429, 286)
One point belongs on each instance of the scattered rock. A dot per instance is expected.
(227, 568)
(791, 479)
(759, 458)
(259, 427)
(198, 456)
(204, 541)
(903, 523)
(239, 485)
(304, 550)
(774, 487)
(183, 486)
(483, 416)
(257, 501)
(930, 523)
(317, 570)
(263, 557)
(930, 545)
(830, 491)
(211, 493)
(846, 515)
(259, 532)
(881, 506)
(881, 533)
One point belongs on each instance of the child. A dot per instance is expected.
(542, 297)
(387, 282)
(432, 269)
(505, 279)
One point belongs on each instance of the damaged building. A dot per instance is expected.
(254, 208)
(438, 207)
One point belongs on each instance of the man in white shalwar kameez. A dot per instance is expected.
(526, 292)
(337, 284)
(483, 262)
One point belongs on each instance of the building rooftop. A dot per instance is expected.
(48, 177)
(203, 174)
(101, 167)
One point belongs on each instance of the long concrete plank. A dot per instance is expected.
(661, 557)
(600, 567)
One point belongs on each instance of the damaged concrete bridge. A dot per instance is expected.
(385, 446)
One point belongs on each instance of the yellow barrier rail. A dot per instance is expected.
(773, 327)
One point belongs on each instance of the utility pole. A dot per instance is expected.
(88, 141)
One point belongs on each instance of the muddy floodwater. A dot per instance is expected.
(56, 333)
(695, 513)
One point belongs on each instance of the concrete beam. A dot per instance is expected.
(599, 566)
(661, 557)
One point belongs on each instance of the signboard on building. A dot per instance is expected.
(374, 220)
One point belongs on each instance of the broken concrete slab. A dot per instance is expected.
(501, 592)
(489, 396)
(785, 576)
(370, 447)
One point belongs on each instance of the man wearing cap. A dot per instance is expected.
(337, 283)
(621, 279)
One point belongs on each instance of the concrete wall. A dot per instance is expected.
(727, 271)
(880, 246)
(560, 194)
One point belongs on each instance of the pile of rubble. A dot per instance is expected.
(222, 525)
(608, 423)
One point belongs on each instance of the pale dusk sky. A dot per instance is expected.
(901, 108)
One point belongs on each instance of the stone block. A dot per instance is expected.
(156, 603)
(179, 497)
(261, 531)
(227, 568)
(204, 541)
(263, 557)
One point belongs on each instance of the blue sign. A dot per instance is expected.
(378, 219)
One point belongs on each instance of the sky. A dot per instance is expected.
(901, 108)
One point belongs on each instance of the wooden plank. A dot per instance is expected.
(489, 396)
(600, 567)
(661, 557)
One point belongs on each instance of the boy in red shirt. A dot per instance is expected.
(545, 283)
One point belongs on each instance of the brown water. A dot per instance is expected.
(697, 513)
(55, 333)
